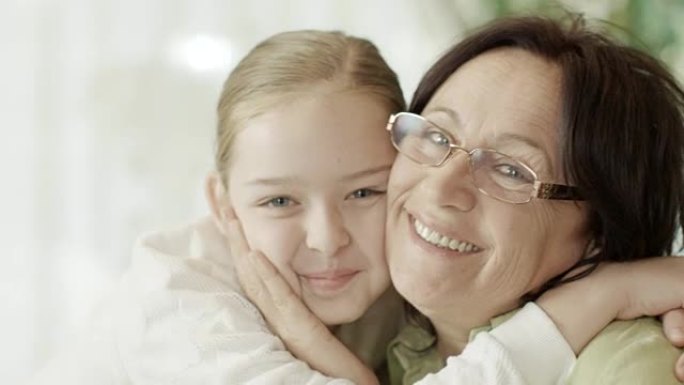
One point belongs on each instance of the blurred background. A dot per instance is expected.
(107, 121)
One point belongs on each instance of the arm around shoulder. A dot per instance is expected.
(628, 353)
(525, 350)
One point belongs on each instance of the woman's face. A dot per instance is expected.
(507, 100)
(308, 183)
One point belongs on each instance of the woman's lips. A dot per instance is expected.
(431, 248)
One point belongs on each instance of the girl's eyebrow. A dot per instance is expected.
(274, 181)
(366, 172)
(282, 181)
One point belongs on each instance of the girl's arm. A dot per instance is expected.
(507, 355)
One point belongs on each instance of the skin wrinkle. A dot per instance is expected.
(481, 285)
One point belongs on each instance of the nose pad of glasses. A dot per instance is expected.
(452, 154)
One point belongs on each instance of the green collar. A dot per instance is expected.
(413, 353)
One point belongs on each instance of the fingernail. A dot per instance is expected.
(229, 214)
(677, 335)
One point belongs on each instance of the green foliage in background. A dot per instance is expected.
(656, 26)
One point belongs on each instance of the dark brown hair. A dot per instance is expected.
(621, 133)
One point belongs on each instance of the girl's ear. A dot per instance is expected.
(218, 200)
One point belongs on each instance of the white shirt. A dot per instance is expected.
(180, 317)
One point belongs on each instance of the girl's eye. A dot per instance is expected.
(364, 193)
(279, 202)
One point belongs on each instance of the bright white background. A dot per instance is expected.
(107, 121)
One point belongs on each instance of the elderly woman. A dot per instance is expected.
(533, 152)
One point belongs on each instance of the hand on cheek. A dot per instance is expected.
(284, 311)
(304, 335)
(673, 326)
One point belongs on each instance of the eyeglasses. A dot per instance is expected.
(494, 174)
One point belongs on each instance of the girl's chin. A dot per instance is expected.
(333, 315)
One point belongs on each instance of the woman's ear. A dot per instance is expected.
(217, 199)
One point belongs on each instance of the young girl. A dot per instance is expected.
(302, 160)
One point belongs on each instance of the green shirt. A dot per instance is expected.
(625, 352)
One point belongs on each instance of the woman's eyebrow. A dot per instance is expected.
(452, 114)
(509, 137)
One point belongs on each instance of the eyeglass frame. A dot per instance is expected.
(540, 190)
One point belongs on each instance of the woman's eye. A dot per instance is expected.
(364, 193)
(513, 172)
(279, 202)
(437, 138)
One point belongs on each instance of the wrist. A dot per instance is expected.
(600, 305)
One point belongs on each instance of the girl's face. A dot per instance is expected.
(308, 183)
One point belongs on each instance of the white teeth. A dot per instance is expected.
(442, 241)
(453, 244)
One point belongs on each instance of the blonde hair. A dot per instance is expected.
(289, 63)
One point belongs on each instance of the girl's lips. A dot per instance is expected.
(326, 282)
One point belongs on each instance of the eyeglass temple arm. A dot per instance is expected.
(390, 122)
(556, 192)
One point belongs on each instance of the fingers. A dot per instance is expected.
(239, 251)
(267, 288)
(239, 248)
(679, 369)
(280, 292)
(673, 326)
(260, 280)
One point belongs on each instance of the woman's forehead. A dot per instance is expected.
(502, 93)
(504, 75)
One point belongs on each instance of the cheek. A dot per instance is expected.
(555, 241)
(404, 175)
(366, 227)
(520, 239)
(277, 239)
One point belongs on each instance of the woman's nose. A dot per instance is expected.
(326, 232)
(451, 185)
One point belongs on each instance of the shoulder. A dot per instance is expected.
(183, 279)
(180, 302)
(194, 256)
(627, 352)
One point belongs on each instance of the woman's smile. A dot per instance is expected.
(442, 241)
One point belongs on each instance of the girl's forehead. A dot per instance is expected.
(337, 133)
